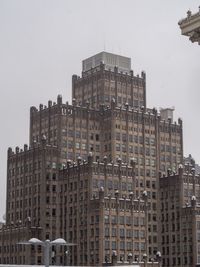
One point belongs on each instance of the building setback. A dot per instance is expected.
(110, 122)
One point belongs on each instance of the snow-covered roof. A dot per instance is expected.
(59, 241)
(34, 240)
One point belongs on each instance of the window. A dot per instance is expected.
(107, 244)
(147, 151)
(106, 218)
(142, 234)
(114, 232)
(107, 232)
(53, 165)
(116, 185)
(78, 134)
(84, 146)
(129, 186)
(84, 135)
(110, 185)
(123, 148)
(142, 221)
(124, 137)
(141, 161)
(136, 246)
(128, 220)
(129, 233)
(77, 145)
(130, 149)
(154, 195)
(152, 141)
(147, 162)
(114, 245)
(122, 245)
(53, 188)
(129, 246)
(70, 144)
(162, 148)
(153, 152)
(114, 219)
(136, 234)
(142, 246)
(97, 218)
(122, 232)
(124, 186)
(117, 136)
(130, 138)
(70, 133)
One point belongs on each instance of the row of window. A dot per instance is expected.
(123, 88)
(134, 138)
(176, 261)
(125, 186)
(83, 135)
(29, 167)
(135, 150)
(122, 232)
(135, 129)
(124, 245)
(138, 221)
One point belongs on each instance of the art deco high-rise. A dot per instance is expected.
(110, 119)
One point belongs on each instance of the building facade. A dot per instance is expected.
(103, 214)
(180, 217)
(109, 118)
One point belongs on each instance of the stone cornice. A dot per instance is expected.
(190, 26)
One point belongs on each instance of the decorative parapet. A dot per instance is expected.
(190, 26)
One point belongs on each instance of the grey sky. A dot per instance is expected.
(42, 43)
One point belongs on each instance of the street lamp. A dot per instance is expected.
(136, 258)
(130, 257)
(47, 244)
(145, 259)
(159, 257)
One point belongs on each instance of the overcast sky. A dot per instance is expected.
(42, 43)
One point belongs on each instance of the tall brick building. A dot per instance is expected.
(97, 200)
